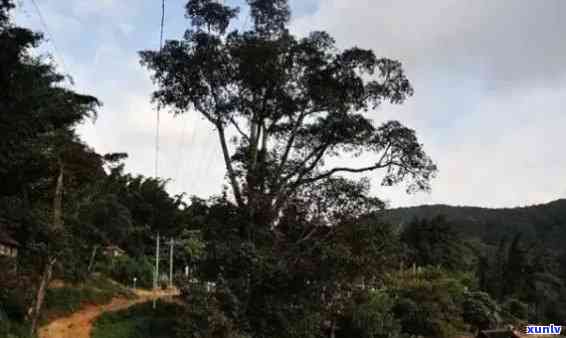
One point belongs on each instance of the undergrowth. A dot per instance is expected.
(68, 299)
(139, 321)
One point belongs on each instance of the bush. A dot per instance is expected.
(374, 318)
(69, 299)
(124, 269)
(429, 303)
(481, 311)
(139, 321)
(13, 304)
(516, 309)
(205, 317)
(10, 328)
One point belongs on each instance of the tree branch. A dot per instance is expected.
(235, 124)
(342, 169)
(289, 145)
(229, 168)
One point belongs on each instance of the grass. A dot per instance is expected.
(139, 321)
(65, 300)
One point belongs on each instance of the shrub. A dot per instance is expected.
(139, 321)
(68, 299)
(124, 269)
(205, 317)
(516, 309)
(374, 318)
(13, 304)
(429, 303)
(480, 310)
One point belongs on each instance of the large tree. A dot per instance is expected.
(290, 104)
(286, 109)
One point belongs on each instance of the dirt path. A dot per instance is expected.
(79, 324)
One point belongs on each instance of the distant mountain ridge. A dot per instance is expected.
(542, 222)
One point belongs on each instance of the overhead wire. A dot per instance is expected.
(158, 117)
(50, 37)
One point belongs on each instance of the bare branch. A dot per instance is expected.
(342, 169)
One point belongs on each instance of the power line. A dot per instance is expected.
(49, 35)
(157, 122)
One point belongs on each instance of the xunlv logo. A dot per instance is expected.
(544, 329)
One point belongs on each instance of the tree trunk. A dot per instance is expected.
(55, 227)
(40, 295)
(92, 257)
(58, 201)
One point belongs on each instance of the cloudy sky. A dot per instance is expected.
(489, 79)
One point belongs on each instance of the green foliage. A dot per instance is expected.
(290, 102)
(543, 223)
(13, 303)
(481, 311)
(125, 268)
(68, 299)
(12, 313)
(139, 321)
(375, 319)
(206, 314)
(13, 329)
(428, 303)
(434, 242)
(516, 309)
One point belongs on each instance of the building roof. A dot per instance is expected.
(114, 248)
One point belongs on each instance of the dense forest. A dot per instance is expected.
(294, 247)
(544, 224)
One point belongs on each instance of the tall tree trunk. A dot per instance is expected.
(58, 201)
(53, 230)
(92, 258)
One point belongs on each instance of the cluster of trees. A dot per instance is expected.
(518, 252)
(62, 201)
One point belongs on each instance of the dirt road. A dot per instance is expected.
(79, 324)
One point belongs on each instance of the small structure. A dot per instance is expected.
(500, 333)
(8, 246)
(113, 251)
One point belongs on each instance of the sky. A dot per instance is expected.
(489, 79)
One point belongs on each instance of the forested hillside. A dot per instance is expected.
(543, 223)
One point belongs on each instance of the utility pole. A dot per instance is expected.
(156, 277)
(171, 264)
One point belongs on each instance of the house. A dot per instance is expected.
(500, 333)
(8, 246)
(113, 251)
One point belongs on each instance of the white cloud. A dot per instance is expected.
(490, 87)
(489, 79)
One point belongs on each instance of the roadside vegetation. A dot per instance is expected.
(62, 301)
(139, 321)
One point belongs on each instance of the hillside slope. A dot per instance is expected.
(542, 223)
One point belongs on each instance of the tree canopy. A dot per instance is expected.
(290, 104)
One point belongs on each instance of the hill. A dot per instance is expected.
(541, 223)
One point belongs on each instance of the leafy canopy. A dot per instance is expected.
(289, 104)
